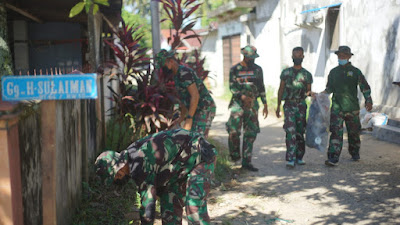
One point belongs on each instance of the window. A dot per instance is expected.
(332, 26)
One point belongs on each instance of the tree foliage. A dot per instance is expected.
(132, 19)
(87, 5)
(142, 8)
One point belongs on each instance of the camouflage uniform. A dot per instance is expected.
(295, 109)
(163, 165)
(343, 82)
(206, 108)
(248, 81)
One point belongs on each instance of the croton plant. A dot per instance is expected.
(148, 104)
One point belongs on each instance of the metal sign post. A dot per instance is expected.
(79, 86)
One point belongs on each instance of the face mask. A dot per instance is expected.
(297, 61)
(122, 181)
(343, 62)
(166, 70)
(250, 62)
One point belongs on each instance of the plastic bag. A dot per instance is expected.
(378, 119)
(370, 119)
(317, 130)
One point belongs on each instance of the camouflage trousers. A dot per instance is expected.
(248, 117)
(202, 120)
(353, 126)
(193, 194)
(294, 126)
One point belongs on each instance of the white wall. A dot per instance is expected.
(209, 51)
(370, 28)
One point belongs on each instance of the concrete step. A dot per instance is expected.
(387, 133)
(394, 122)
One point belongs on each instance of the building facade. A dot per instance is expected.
(275, 27)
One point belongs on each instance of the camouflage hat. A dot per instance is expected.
(162, 56)
(109, 163)
(207, 150)
(344, 49)
(250, 51)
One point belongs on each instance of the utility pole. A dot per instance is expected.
(155, 26)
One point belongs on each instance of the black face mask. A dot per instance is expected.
(250, 62)
(297, 61)
(166, 70)
(122, 181)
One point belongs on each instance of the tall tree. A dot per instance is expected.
(5, 54)
(142, 7)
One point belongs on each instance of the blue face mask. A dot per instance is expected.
(343, 62)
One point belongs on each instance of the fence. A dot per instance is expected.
(46, 151)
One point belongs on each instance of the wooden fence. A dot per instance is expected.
(46, 151)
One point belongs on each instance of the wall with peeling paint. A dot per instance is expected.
(369, 27)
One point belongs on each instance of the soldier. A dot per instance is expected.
(342, 82)
(199, 106)
(294, 88)
(246, 83)
(175, 165)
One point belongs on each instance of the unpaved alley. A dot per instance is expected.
(364, 192)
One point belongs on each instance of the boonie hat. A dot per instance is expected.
(109, 163)
(162, 56)
(344, 49)
(250, 51)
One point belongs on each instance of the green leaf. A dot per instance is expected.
(95, 8)
(76, 9)
(102, 2)
(88, 5)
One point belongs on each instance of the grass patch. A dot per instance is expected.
(227, 95)
(119, 135)
(223, 169)
(104, 205)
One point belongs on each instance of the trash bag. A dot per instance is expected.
(370, 119)
(378, 119)
(317, 130)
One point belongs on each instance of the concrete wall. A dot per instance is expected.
(208, 48)
(369, 27)
(11, 207)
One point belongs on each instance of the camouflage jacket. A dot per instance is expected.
(295, 83)
(343, 82)
(246, 81)
(164, 158)
(183, 79)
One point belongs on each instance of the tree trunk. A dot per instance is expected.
(5, 54)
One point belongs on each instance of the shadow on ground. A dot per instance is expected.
(364, 192)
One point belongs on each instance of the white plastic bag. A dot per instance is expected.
(317, 131)
(378, 119)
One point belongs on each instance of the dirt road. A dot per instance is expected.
(364, 192)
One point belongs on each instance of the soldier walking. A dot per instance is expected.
(342, 82)
(175, 165)
(198, 105)
(246, 83)
(295, 86)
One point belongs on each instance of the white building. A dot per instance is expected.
(369, 27)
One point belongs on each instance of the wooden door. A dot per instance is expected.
(231, 53)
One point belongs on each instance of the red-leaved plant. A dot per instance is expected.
(148, 107)
(179, 12)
